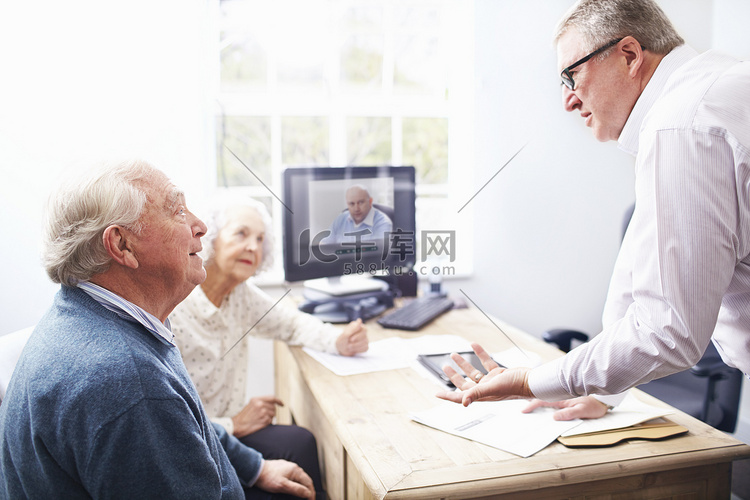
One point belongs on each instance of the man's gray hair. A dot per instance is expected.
(214, 215)
(601, 21)
(79, 212)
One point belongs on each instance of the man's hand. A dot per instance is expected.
(569, 409)
(353, 340)
(499, 383)
(280, 476)
(256, 415)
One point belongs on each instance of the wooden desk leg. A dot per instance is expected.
(356, 489)
(301, 408)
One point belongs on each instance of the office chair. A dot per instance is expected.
(709, 391)
(385, 209)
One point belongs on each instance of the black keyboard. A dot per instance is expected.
(417, 313)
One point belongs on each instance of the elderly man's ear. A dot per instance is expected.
(118, 242)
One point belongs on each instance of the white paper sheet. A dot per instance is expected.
(514, 358)
(389, 354)
(499, 424)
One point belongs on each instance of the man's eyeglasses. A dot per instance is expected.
(567, 77)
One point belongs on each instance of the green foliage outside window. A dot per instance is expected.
(425, 145)
(242, 60)
(368, 140)
(362, 61)
(248, 137)
(304, 140)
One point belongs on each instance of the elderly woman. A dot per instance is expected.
(211, 328)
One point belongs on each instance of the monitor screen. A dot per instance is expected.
(341, 221)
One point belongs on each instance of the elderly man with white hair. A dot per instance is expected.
(100, 403)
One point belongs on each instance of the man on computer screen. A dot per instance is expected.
(360, 221)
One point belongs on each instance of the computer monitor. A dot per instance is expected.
(328, 233)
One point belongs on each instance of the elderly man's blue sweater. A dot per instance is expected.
(100, 407)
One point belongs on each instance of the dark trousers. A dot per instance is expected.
(288, 442)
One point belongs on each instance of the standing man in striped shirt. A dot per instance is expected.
(100, 403)
(682, 278)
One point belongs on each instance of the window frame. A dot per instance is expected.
(337, 104)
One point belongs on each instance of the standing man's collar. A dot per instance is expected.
(628, 140)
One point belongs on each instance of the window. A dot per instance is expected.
(349, 82)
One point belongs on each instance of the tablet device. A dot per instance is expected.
(435, 362)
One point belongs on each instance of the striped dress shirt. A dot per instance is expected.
(127, 310)
(682, 276)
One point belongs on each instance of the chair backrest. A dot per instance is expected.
(724, 390)
(728, 393)
(11, 346)
(626, 218)
(385, 209)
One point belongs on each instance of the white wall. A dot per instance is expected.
(83, 81)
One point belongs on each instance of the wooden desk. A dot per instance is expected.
(370, 448)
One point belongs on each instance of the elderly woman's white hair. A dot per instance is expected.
(79, 212)
(214, 215)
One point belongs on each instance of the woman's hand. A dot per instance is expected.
(256, 415)
(353, 340)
